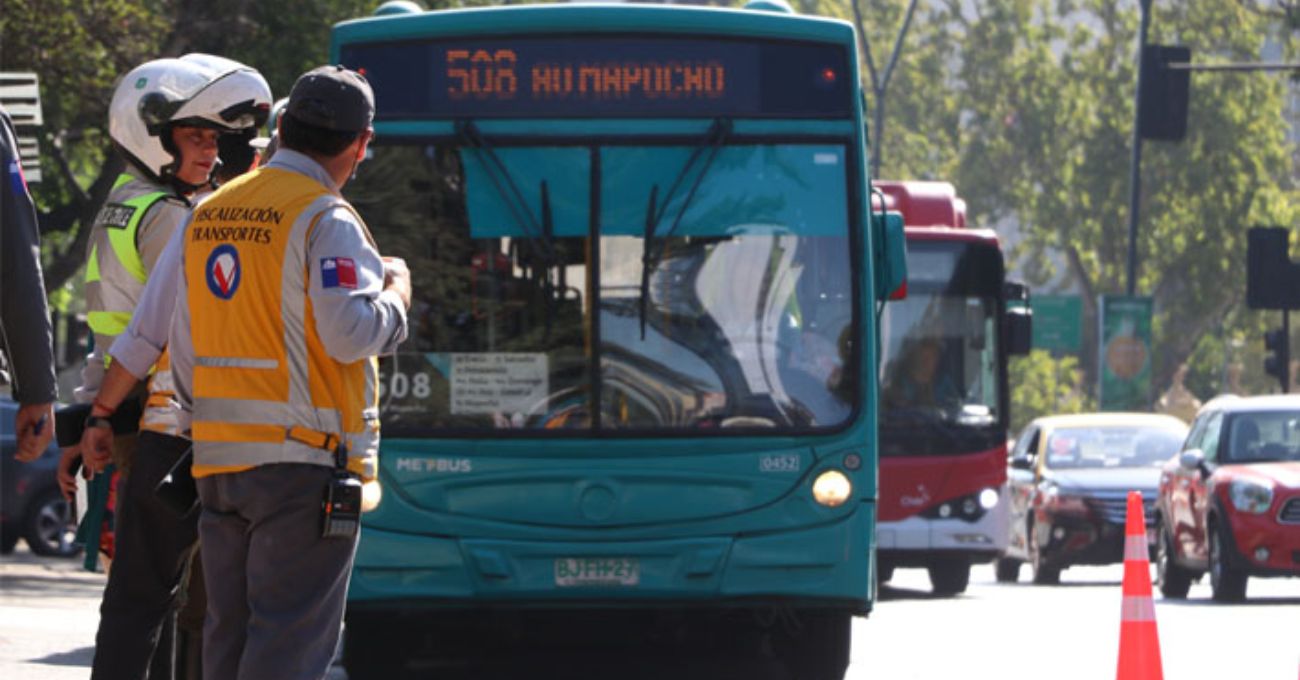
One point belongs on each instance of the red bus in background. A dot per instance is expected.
(943, 391)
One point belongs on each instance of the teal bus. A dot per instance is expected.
(641, 372)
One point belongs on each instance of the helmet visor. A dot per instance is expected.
(246, 114)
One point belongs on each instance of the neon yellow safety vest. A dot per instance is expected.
(115, 280)
(265, 389)
(115, 272)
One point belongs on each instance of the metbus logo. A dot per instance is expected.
(435, 465)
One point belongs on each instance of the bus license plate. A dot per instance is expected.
(597, 571)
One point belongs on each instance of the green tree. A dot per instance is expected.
(1042, 385)
(78, 50)
(1046, 98)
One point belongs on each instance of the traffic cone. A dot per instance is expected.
(1139, 642)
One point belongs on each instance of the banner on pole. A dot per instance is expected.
(1125, 353)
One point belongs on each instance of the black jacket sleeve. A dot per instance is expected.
(24, 317)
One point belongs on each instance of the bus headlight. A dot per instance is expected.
(371, 494)
(832, 488)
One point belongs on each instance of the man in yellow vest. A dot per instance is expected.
(166, 118)
(282, 305)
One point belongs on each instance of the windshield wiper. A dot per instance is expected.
(652, 250)
(540, 239)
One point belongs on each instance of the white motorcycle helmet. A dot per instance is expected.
(196, 89)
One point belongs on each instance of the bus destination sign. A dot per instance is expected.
(604, 76)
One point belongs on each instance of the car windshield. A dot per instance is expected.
(629, 288)
(1263, 437)
(1110, 447)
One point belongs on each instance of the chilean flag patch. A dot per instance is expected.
(338, 272)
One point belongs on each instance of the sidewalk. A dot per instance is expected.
(49, 610)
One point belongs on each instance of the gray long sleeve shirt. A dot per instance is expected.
(353, 323)
(24, 317)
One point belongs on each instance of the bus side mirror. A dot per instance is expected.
(1019, 319)
(891, 256)
(1022, 463)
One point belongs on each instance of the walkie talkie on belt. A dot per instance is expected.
(341, 512)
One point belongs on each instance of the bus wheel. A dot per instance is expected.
(815, 644)
(949, 575)
(372, 648)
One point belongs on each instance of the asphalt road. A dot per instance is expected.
(48, 615)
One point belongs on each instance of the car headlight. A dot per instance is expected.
(1249, 496)
(1063, 503)
(832, 488)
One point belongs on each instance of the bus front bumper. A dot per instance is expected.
(829, 562)
(911, 540)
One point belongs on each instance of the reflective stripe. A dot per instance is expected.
(229, 454)
(293, 308)
(1138, 609)
(163, 419)
(1135, 548)
(363, 445)
(236, 362)
(237, 454)
(257, 411)
(161, 382)
(371, 411)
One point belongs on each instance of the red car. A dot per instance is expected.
(1229, 503)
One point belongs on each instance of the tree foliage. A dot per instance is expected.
(1042, 386)
(78, 50)
(1027, 106)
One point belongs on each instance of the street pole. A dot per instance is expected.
(1285, 356)
(1135, 164)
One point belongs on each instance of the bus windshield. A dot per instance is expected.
(939, 364)
(619, 288)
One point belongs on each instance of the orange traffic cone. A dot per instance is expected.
(1139, 642)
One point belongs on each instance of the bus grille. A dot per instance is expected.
(1112, 506)
(1290, 513)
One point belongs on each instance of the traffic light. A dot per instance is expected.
(1164, 93)
(1272, 279)
(1277, 359)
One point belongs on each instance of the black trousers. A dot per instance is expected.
(152, 546)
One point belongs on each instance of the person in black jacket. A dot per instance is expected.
(25, 330)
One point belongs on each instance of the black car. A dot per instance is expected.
(31, 506)
(1069, 482)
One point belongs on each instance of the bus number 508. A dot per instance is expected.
(481, 74)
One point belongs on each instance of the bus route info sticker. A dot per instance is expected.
(465, 383)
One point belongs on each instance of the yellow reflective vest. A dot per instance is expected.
(265, 389)
(115, 280)
(115, 273)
